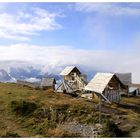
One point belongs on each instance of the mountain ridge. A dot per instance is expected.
(31, 74)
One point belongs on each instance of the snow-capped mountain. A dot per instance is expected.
(24, 73)
(5, 77)
(28, 74)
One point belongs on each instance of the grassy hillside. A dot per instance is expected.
(26, 112)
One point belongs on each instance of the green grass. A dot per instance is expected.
(26, 112)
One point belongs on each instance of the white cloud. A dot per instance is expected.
(108, 9)
(32, 80)
(54, 58)
(22, 25)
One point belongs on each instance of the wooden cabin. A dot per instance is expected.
(126, 79)
(107, 86)
(134, 91)
(72, 80)
(48, 83)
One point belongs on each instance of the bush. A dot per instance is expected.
(92, 119)
(43, 127)
(11, 135)
(110, 129)
(23, 107)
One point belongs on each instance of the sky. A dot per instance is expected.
(93, 36)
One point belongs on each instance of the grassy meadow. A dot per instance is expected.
(27, 112)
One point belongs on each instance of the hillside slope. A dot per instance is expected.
(26, 112)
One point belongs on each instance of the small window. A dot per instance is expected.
(73, 78)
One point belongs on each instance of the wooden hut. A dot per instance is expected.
(126, 79)
(107, 86)
(72, 80)
(48, 83)
(133, 91)
(136, 89)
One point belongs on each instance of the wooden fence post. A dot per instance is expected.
(100, 109)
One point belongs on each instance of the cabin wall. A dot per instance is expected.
(113, 95)
(112, 91)
(48, 87)
(74, 80)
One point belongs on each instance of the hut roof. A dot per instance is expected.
(132, 89)
(99, 82)
(46, 82)
(125, 78)
(68, 69)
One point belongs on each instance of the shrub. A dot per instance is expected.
(43, 127)
(110, 129)
(92, 119)
(23, 107)
(11, 135)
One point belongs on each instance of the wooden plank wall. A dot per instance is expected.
(113, 95)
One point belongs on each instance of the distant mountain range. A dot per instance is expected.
(5, 77)
(10, 71)
(29, 74)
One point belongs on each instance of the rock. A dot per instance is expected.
(83, 129)
(118, 123)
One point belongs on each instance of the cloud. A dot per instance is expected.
(109, 9)
(22, 25)
(104, 23)
(54, 58)
(32, 80)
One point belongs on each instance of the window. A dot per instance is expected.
(73, 78)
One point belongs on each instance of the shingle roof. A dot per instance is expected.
(99, 82)
(125, 78)
(46, 82)
(67, 70)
